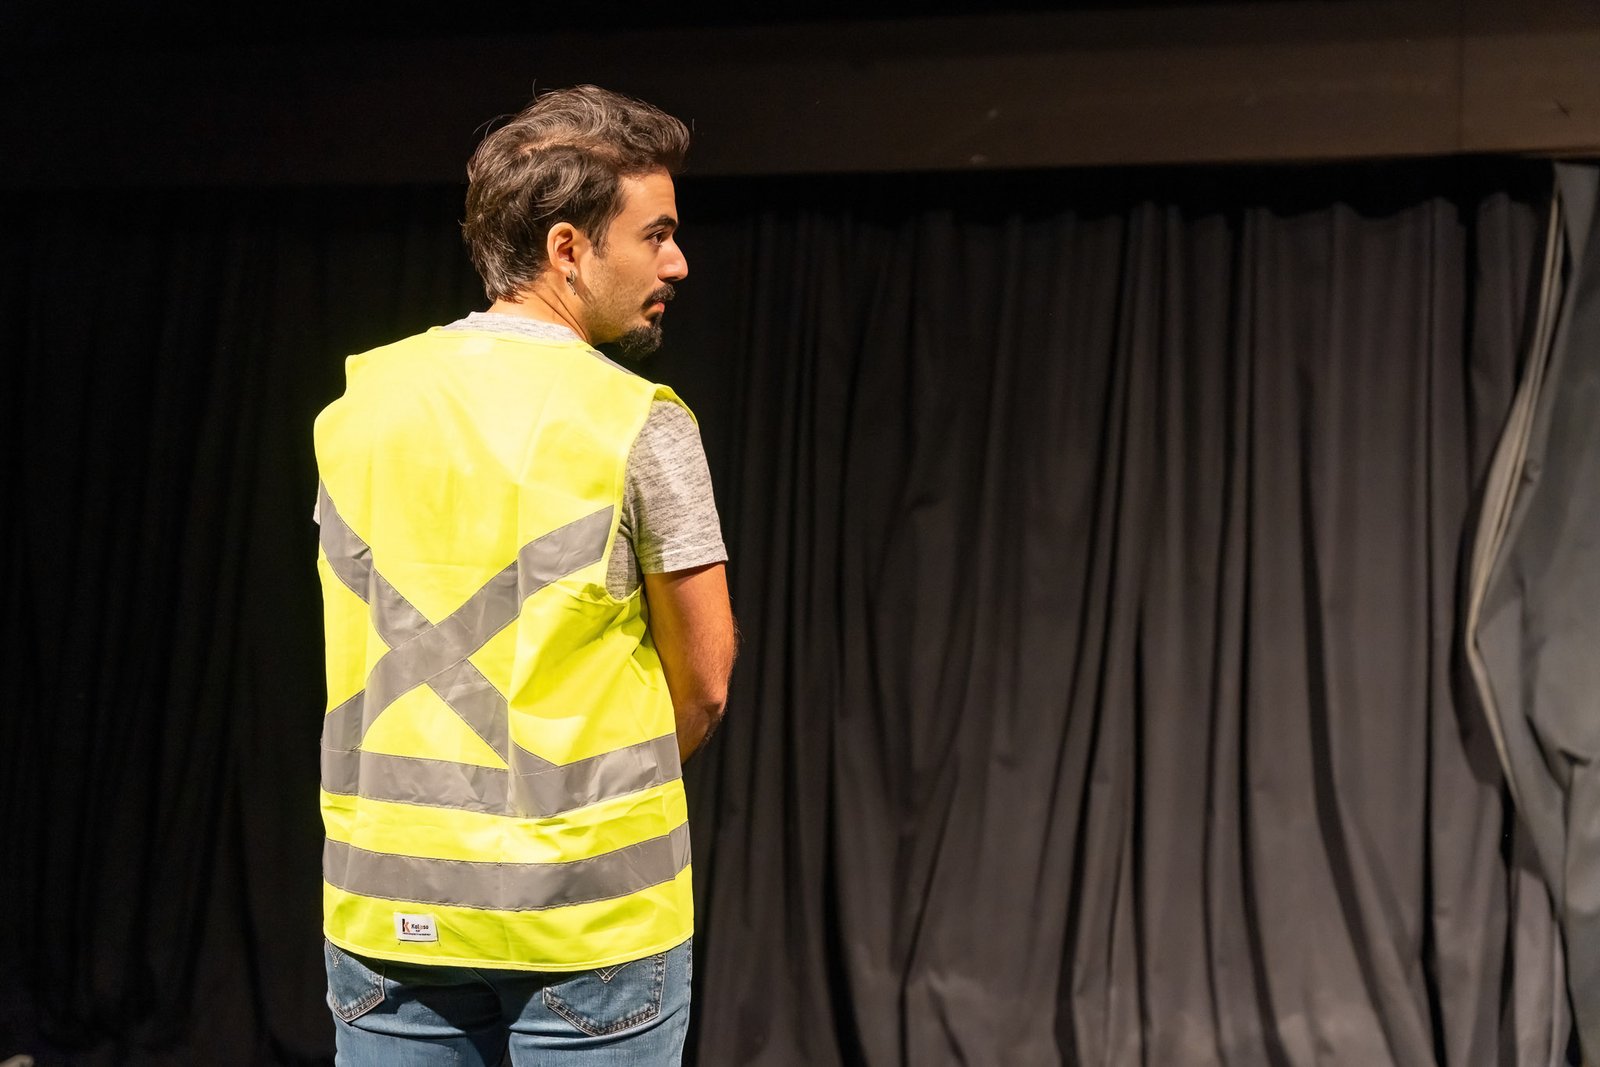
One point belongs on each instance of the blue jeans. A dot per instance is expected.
(391, 1014)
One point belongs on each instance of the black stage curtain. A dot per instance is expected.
(1097, 547)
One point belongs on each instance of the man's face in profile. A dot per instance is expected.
(631, 280)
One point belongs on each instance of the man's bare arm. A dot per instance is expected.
(691, 623)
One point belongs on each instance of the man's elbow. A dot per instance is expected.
(713, 706)
(705, 700)
(698, 720)
(712, 690)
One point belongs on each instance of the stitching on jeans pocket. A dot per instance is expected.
(650, 1009)
(360, 987)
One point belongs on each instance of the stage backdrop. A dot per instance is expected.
(1097, 545)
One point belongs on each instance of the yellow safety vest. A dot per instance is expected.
(500, 775)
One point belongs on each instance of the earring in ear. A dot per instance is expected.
(572, 280)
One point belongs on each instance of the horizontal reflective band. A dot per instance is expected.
(545, 788)
(538, 789)
(456, 834)
(436, 655)
(416, 780)
(506, 886)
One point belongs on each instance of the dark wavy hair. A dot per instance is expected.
(561, 159)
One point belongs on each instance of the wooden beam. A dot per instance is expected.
(1296, 80)
(1531, 77)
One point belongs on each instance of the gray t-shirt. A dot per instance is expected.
(669, 516)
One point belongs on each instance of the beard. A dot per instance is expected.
(643, 340)
(640, 341)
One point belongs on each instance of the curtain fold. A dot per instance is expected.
(1534, 623)
(1098, 549)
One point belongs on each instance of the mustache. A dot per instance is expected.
(661, 295)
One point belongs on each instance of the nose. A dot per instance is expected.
(676, 266)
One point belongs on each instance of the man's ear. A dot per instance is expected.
(561, 246)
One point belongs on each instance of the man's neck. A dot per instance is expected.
(541, 306)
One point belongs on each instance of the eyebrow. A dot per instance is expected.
(658, 222)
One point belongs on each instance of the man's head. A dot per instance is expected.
(573, 199)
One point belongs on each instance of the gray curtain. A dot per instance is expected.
(1100, 552)
(1534, 625)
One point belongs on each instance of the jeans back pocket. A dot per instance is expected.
(610, 999)
(353, 988)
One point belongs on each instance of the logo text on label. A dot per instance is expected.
(415, 927)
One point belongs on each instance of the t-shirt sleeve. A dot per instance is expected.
(669, 511)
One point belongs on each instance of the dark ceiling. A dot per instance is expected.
(57, 25)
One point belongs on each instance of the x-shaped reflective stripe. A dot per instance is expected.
(424, 653)
(419, 651)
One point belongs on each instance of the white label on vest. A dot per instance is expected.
(415, 927)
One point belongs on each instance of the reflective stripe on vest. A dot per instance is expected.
(436, 656)
(500, 775)
(510, 886)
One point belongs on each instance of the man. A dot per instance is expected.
(528, 628)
